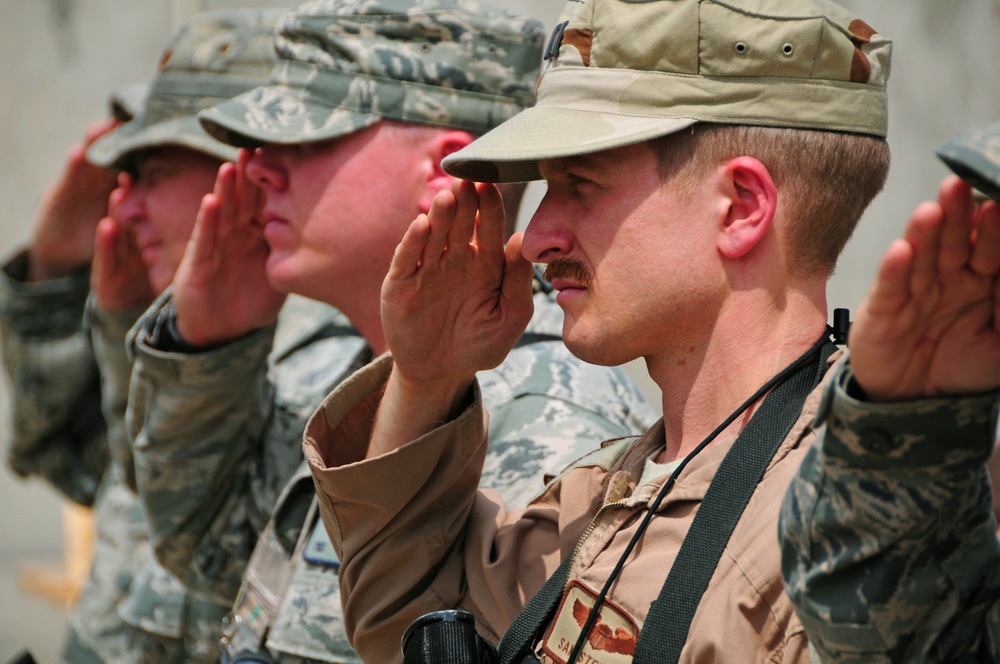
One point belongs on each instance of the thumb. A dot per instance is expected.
(201, 245)
(105, 255)
(518, 272)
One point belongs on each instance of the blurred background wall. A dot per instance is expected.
(60, 58)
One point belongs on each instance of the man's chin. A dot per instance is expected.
(581, 346)
(160, 277)
(279, 274)
(592, 348)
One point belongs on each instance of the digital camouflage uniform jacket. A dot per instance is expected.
(889, 545)
(430, 541)
(57, 431)
(220, 443)
(130, 608)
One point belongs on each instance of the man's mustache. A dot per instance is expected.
(568, 268)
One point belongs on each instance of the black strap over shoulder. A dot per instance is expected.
(529, 338)
(516, 643)
(669, 619)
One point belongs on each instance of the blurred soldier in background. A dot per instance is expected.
(65, 353)
(706, 163)
(367, 99)
(889, 539)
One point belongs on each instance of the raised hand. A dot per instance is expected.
(454, 302)
(70, 209)
(221, 290)
(930, 325)
(118, 278)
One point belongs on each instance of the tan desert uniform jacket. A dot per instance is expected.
(421, 502)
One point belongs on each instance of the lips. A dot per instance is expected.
(267, 215)
(275, 228)
(149, 250)
(566, 284)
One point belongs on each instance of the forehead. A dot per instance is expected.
(336, 148)
(173, 154)
(625, 161)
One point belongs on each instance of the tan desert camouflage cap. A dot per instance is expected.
(344, 65)
(623, 71)
(213, 56)
(974, 155)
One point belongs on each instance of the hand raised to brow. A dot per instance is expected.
(221, 291)
(118, 279)
(454, 302)
(930, 326)
(456, 299)
(70, 209)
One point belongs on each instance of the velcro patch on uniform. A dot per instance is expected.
(611, 641)
(318, 549)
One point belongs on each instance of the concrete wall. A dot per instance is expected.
(61, 57)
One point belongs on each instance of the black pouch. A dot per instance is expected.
(446, 637)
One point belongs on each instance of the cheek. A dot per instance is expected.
(160, 277)
(180, 228)
(173, 211)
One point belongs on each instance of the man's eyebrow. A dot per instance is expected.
(584, 164)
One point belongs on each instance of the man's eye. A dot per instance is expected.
(578, 183)
(151, 174)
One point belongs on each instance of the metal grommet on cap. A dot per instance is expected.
(741, 47)
(788, 50)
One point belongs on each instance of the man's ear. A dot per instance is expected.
(753, 200)
(440, 146)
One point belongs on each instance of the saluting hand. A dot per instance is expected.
(118, 278)
(221, 290)
(454, 302)
(63, 238)
(931, 324)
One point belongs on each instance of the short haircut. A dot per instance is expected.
(825, 179)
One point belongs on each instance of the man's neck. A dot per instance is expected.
(361, 306)
(705, 380)
(370, 328)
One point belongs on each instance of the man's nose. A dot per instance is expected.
(265, 169)
(546, 238)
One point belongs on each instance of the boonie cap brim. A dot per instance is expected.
(211, 57)
(280, 114)
(974, 155)
(115, 147)
(126, 101)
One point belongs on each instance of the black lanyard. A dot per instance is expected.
(739, 473)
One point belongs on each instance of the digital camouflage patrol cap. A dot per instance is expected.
(213, 56)
(619, 72)
(344, 65)
(974, 155)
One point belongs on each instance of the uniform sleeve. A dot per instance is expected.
(547, 409)
(196, 419)
(218, 433)
(108, 331)
(889, 543)
(412, 532)
(57, 431)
